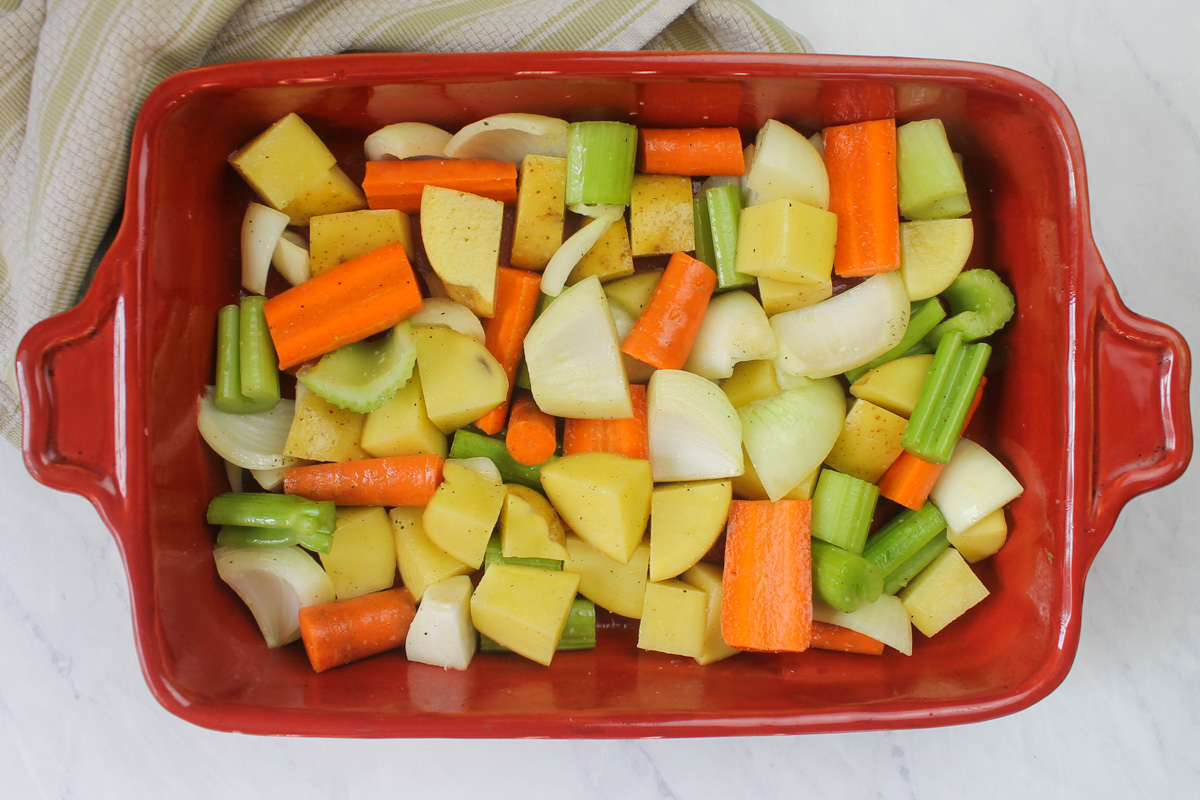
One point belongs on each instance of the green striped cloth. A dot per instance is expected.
(73, 75)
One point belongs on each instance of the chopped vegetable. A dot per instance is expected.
(578, 634)
(468, 444)
(251, 441)
(690, 151)
(362, 376)
(600, 161)
(923, 317)
(274, 583)
(980, 304)
(928, 173)
(345, 631)
(902, 537)
(841, 578)
(694, 431)
(941, 411)
(843, 507)
(392, 481)
(532, 435)
(310, 521)
(664, 333)
(860, 159)
(399, 184)
(517, 298)
(826, 636)
(441, 632)
(628, 436)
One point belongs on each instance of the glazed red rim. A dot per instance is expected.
(1096, 410)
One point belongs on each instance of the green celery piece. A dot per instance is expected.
(842, 509)
(902, 537)
(259, 364)
(250, 536)
(578, 634)
(906, 571)
(841, 578)
(362, 376)
(937, 420)
(980, 303)
(468, 444)
(312, 522)
(923, 317)
(703, 228)
(228, 390)
(927, 172)
(724, 210)
(600, 160)
(493, 555)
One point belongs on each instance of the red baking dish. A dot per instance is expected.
(1088, 403)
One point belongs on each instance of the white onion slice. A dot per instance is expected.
(235, 475)
(405, 140)
(481, 464)
(735, 328)
(786, 165)
(261, 228)
(275, 583)
(695, 433)
(291, 258)
(510, 137)
(270, 479)
(570, 252)
(885, 620)
(595, 210)
(446, 313)
(253, 441)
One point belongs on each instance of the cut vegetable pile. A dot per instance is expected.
(530, 369)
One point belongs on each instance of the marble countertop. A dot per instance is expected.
(76, 718)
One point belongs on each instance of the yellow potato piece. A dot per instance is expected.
(541, 210)
(660, 215)
(460, 516)
(333, 193)
(604, 497)
(942, 592)
(896, 385)
(529, 526)
(750, 381)
(633, 293)
(460, 380)
(362, 558)
(983, 539)
(609, 259)
(786, 240)
(619, 588)
(335, 238)
(685, 520)
(524, 608)
(401, 426)
(283, 161)
(779, 296)
(708, 578)
(869, 442)
(421, 562)
(674, 619)
(461, 235)
(321, 431)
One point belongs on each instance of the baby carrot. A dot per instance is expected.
(347, 630)
(826, 636)
(861, 162)
(398, 184)
(391, 481)
(666, 330)
(629, 437)
(346, 303)
(517, 293)
(532, 435)
(690, 151)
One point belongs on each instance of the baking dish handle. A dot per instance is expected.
(71, 375)
(1140, 371)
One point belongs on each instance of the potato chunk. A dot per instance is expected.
(283, 161)
(524, 608)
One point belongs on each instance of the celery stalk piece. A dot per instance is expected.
(311, 521)
(600, 159)
(494, 555)
(250, 536)
(980, 304)
(259, 365)
(468, 444)
(228, 390)
(842, 578)
(724, 205)
(941, 412)
(899, 577)
(923, 317)
(362, 376)
(842, 509)
(703, 227)
(578, 634)
(902, 537)
(928, 173)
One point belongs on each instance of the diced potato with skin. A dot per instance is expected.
(529, 526)
(401, 426)
(524, 608)
(750, 381)
(333, 193)
(685, 520)
(932, 254)
(633, 293)
(362, 558)
(323, 432)
(604, 497)
(786, 240)
(983, 539)
(421, 562)
(464, 509)
(283, 161)
(441, 633)
(619, 588)
(942, 592)
(336, 238)
(610, 258)
(674, 619)
(460, 380)
(708, 579)
(660, 215)
(895, 385)
(869, 442)
(779, 296)
(461, 234)
(748, 486)
(541, 209)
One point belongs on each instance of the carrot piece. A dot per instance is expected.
(629, 437)
(690, 151)
(346, 303)
(391, 481)
(347, 630)
(767, 600)
(398, 184)
(826, 636)
(861, 162)
(532, 435)
(909, 480)
(666, 330)
(517, 293)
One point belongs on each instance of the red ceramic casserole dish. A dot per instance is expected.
(1089, 406)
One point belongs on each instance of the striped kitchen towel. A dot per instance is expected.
(74, 73)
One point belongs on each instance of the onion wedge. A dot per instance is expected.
(274, 583)
(510, 137)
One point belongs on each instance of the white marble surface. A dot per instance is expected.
(77, 720)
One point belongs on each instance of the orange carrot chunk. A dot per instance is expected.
(391, 481)
(665, 331)
(347, 630)
(826, 636)
(517, 293)
(629, 437)
(861, 162)
(398, 184)
(690, 151)
(532, 435)
(349, 302)
(767, 600)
